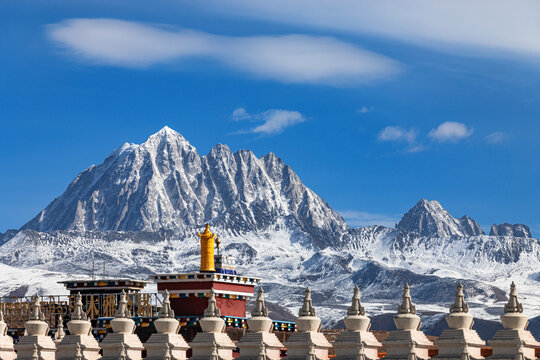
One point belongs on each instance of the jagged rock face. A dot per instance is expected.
(469, 226)
(429, 218)
(165, 184)
(514, 230)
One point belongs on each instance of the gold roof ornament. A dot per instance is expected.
(207, 250)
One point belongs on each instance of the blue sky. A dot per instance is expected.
(374, 104)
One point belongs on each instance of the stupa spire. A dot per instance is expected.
(356, 308)
(212, 310)
(166, 312)
(260, 309)
(36, 313)
(406, 307)
(459, 305)
(307, 308)
(122, 311)
(78, 312)
(60, 333)
(513, 305)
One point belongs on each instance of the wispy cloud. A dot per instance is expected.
(273, 121)
(397, 133)
(362, 218)
(286, 58)
(365, 109)
(479, 28)
(450, 131)
(496, 137)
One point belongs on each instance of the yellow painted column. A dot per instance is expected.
(207, 249)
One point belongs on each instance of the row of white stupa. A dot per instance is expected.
(514, 342)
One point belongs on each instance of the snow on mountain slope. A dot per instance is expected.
(429, 218)
(165, 184)
(140, 209)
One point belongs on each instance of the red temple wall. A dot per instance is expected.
(195, 285)
(195, 306)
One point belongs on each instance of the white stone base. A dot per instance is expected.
(7, 351)
(349, 342)
(398, 344)
(45, 345)
(202, 346)
(299, 344)
(156, 346)
(250, 345)
(452, 342)
(506, 342)
(67, 348)
(112, 345)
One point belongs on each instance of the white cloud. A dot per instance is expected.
(480, 27)
(274, 121)
(450, 131)
(240, 114)
(365, 109)
(496, 137)
(285, 58)
(362, 218)
(397, 133)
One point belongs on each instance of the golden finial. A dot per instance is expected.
(207, 249)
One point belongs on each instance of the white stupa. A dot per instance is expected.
(308, 342)
(122, 342)
(513, 342)
(7, 351)
(212, 341)
(259, 341)
(357, 342)
(37, 340)
(460, 341)
(166, 343)
(80, 338)
(407, 342)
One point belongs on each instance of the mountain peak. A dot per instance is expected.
(166, 134)
(429, 218)
(165, 184)
(506, 229)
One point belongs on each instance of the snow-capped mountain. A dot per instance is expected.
(140, 209)
(165, 184)
(429, 218)
(513, 230)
